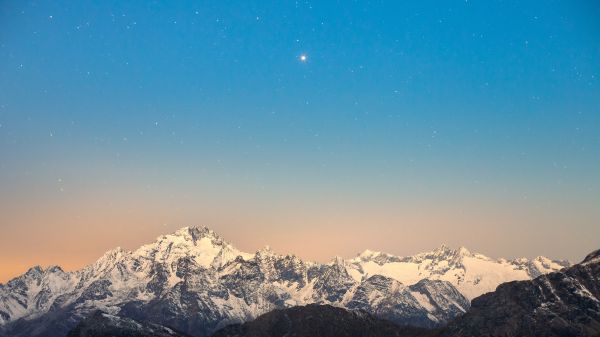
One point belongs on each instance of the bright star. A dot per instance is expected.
(303, 58)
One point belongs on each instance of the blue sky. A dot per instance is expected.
(471, 110)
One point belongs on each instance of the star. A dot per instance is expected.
(303, 58)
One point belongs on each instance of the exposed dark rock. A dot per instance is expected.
(560, 304)
(100, 324)
(320, 320)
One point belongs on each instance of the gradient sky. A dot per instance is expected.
(472, 123)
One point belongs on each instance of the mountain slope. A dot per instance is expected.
(319, 320)
(196, 282)
(561, 304)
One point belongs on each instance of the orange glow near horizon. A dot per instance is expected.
(72, 233)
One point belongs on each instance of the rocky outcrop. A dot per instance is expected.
(559, 304)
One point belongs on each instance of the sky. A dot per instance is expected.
(318, 128)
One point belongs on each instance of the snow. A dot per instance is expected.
(547, 283)
(367, 253)
(582, 291)
(423, 300)
(355, 274)
(483, 275)
(431, 317)
(407, 273)
(41, 288)
(201, 244)
(594, 260)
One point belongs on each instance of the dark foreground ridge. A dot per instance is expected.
(560, 304)
(320, 320)
(100, 324)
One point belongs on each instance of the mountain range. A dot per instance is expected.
(559, 304)
(196, 282)
(565, 303)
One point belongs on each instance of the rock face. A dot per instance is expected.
(392, 300)
(196, 282)
(561, 304)
(100, 324)
(319, 320)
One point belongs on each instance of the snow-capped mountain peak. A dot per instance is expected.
(111, 257)
(265, 251)
(200, 244)
(367, 254)
(444, 252)
(443, 249)
(195, 233)
(463, 251)
(374, 256)
(338, 261)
